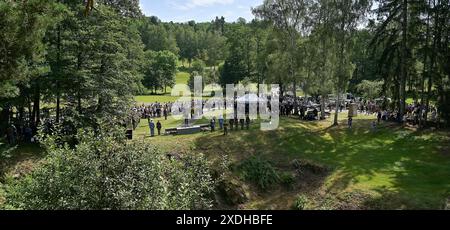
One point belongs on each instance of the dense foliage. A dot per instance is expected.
(260, 172)
(105, 172)
(76, 66)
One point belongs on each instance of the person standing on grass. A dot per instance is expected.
(221, 122)
(379, 115)
(159, 127)
(12, 134)
(350, 122)
(433, 115)
(152, 128)
(165, 113)
(247, 122)
(28, 133)
(213, 124)
(374, 126)
(225, 129)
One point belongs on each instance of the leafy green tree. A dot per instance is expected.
(187, 41)
(160, 71)
(370, 89)
(290, 18)
(215, 48)
(393, 35)
(22, 52)
(105, 172)
(345, 17)
(240, 63)
(128, 8)
(157, 38)
(321, 61)
(363, 58)
(95, 60)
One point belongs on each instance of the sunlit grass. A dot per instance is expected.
(400, 167)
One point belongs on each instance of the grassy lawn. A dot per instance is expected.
(392, 168)
(181, 78)
(178, 144)
(15, 162)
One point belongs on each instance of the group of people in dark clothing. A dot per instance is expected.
(152, 127)
(23, 134)
(154, 110)
(230, 124)
(305, 108)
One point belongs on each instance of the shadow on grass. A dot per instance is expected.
(17, 161)
(400, 168)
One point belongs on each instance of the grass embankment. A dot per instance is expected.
(392, 168)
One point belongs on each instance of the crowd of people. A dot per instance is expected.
(155, 111)
(305, 108)
(309, 109)
(16, 133)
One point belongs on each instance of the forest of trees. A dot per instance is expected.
(94, 63)
(88, 59)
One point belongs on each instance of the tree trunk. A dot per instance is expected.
(58, 76)
(338, 105)
(404, 70)
(58, 104)
(295, 98)
(79, 65)
(322, 107)
(426, 58)
(37, 105)
(4, 118)
(340, 78)
(437, 37)
(79, 108)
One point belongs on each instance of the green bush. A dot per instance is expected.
(260, 172)
(2, 197)
(287, 180)
(301, 202)
(108, 173)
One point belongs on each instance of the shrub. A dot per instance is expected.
(259, 171)
(287, 180)
(107, 173)
(304, 165)
(2, 197)
(301, 202)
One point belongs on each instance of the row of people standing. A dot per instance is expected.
(227, 125)
(154, 110)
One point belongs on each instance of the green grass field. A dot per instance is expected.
(392, 168)
(181, 78)
(162, 97)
